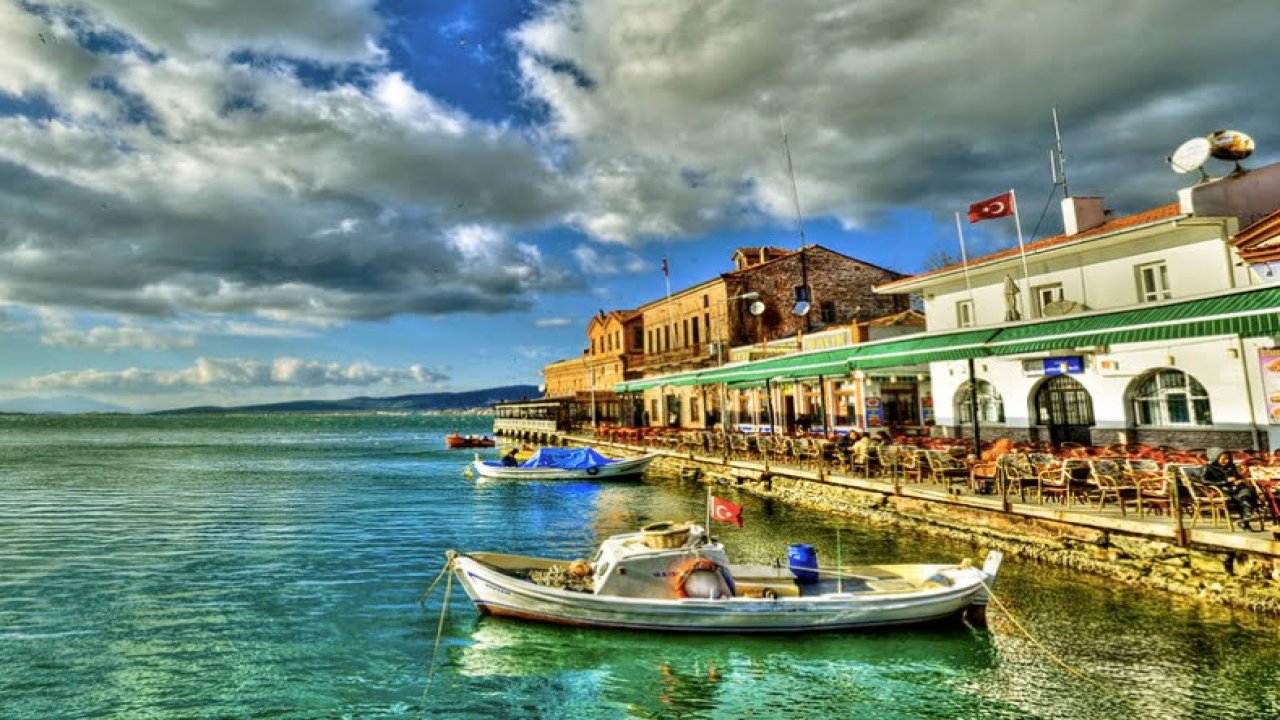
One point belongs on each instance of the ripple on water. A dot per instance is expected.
(271, 567)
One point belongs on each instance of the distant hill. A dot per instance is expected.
(402, 403)
(66, 404)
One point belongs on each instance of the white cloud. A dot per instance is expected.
(548, 322)
(114, 339)
(218, 375)
(593, 262)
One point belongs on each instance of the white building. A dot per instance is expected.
(1146, 328)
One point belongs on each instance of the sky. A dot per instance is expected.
(237, 201)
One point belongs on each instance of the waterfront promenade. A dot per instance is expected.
(1193, 552)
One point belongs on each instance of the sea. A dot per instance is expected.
(274, 566)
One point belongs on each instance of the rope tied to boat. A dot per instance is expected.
(1004, 609)
(450, 555)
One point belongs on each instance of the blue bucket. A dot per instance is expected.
(803, 560)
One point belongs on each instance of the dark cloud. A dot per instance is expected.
(888, 104)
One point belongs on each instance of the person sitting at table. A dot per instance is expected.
(1222, 473)
(845, 441)
(860, 448)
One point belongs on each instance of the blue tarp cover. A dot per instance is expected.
(566, 459)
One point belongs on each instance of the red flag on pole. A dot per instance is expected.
(991, 208)
(665, 270)
(725, 511)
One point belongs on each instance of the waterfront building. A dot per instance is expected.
(1147, 328)
(750, 313)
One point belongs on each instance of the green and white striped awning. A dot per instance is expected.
(1249, 313)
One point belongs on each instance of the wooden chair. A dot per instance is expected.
(1066, 481)
(889, 457)
(944, 469)
(807, 452)
(1202, 498)
(1109, 484)
(911, 466)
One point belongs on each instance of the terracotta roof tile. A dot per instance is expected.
(1164, 212)
(1260, 242)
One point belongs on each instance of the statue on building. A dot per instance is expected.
(1011, 300)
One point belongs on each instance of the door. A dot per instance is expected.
(900, 406)
(1064, 406)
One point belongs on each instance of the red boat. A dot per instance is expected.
(455, 441)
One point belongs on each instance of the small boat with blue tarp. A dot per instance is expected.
(565, 464)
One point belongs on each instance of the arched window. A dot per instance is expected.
(990, 406)
(1169, 397)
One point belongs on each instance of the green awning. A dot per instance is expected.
(920, 350)
(1247, 314)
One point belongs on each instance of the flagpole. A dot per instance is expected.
(1022, 252)
(964, 262)
(708, 511)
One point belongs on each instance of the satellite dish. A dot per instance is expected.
(1190, 155)
(1230, 145)
(756, 308)
(801, 308)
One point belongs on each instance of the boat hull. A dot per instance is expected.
(631, 469)
(458, 442)
(496, 593)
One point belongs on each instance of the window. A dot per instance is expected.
(990, 405)
(637, 338)
(706, 301)
(695, 331)
(1044, 295)
(964, 313)
(666, 333)
(1153, 282)
(685, 322)
(828, 310)
(1170, 397)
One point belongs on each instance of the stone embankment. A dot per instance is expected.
(1215, 565)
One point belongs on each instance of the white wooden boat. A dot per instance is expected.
(565, 464)
(684, 582)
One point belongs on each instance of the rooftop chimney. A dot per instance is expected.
(1082, 213)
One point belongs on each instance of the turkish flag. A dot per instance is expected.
(991, 208)
(725, 511)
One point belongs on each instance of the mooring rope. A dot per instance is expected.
(422, 600)
(991, 593)
(444, 613)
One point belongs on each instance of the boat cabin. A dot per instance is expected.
(663, 561)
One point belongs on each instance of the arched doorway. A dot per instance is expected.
(1064, 406)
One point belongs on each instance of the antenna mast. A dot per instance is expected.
(1062, 158)
(795, 194)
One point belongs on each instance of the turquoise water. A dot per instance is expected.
(270, 567)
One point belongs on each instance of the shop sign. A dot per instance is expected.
(1269, 364)
(926, 413)
(875, 413)
(1072, 365)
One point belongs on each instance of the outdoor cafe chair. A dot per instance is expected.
(1065, 481)
(944, 469)
(1202, 498)
(1109, 484)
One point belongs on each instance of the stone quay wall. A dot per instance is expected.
(1220, 568)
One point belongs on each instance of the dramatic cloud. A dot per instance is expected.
(174, 174)
(114, 339)
(211, 374)
(673, 109)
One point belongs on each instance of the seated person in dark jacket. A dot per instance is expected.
(509, 460)
(1223, 474)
